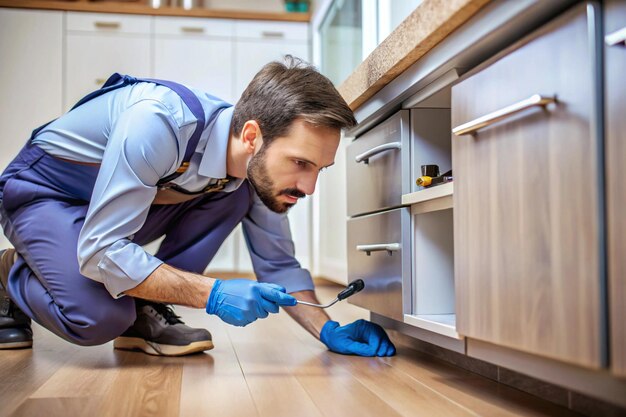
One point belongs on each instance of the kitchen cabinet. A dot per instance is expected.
(99, 45)
(197, 52)
(378, 240)
(527, 213)
(258, 43)
(32, 82)
(615, 91)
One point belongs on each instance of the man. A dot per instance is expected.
(141, 159)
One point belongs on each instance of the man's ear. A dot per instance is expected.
(251, 136)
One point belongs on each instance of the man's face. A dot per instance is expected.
(287, 169)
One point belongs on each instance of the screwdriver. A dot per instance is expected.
(351, 289)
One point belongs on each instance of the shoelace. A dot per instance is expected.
(167, 312)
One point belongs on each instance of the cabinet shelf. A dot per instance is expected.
(444, 324)
(430, 199)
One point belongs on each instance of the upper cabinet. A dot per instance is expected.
(527, 218)
(615, 96)
(99, 45)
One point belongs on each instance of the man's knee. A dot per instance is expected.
(96, 325)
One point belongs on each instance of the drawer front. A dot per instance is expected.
(527, 218)
(108, 23)
(288, 31)
(193, 26)
(375, 182)
(379, 254)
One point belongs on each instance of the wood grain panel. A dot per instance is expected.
(526, 218)
(615, 16)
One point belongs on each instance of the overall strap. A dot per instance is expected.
(116, 81)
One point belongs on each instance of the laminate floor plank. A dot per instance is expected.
(481, 395)
(25, 370)
(213, 383)
(271, 368)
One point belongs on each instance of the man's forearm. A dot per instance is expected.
(170, 285)
(311, 318)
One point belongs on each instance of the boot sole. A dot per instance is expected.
(16, 345)
(157, 349)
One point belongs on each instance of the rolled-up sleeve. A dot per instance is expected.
(272, 250)
(142, 148)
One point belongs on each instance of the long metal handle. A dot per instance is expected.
(491, 118)
(192, 29)
(378, 247)
(107, 25)
(365, 156)
(272, 34)
(616, 38)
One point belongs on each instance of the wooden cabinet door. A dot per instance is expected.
(615, 90)
(527, 223)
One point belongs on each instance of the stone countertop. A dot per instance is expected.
(429, 23)
(138, 8)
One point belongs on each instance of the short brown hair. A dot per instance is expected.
(282, 92)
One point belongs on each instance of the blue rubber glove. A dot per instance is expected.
(361, 338)
(242, 301)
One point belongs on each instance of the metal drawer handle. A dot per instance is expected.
(107, 25)
(271, 34)
(616, 38)
(192, 29)
(365, 156)
(491, 118)
(379, 247)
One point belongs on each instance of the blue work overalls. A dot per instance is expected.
(43, 203)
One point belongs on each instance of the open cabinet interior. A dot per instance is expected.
(432, 235)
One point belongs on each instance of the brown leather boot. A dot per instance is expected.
(15, 330)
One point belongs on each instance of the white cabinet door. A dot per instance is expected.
(196, 52)
(99, 45)
(251, 55)
(31, 50)
(257, 44)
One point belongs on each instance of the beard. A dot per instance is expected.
(264, 186)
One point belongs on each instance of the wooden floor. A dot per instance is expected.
(271, 368)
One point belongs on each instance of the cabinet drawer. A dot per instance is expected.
(193, 26)
(379, 254)
(377, 162)
(108, 23)
(526, 222)
(288, 31)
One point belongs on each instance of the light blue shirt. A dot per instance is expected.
(138, 134)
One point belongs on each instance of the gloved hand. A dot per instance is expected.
(242, 301)
(361, 338)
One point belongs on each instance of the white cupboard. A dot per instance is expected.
(31, 51)
(97, 45)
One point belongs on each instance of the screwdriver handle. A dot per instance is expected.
(353, 288)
